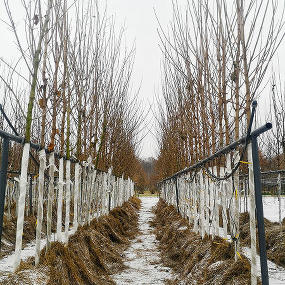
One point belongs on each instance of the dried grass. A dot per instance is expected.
(93, 252)
(275, 238)
(195, 260)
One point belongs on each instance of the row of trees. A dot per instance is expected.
(216, 57)
(77, 71)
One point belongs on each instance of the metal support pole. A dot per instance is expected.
(259, 212)
(177, 195)
(279, 200)
(109, 202)
(31, 196)
(3, 181)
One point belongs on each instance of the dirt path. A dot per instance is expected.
(142, 256)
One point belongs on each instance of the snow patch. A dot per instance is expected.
(142, 257)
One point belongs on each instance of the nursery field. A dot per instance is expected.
(147, 246)
(142, 142)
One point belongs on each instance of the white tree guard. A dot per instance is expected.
(67, 201)
(196, 191)
(216, 205)
(99, 186)
(202, 204)
(59, 201)
(230, 191)
(252, 216)
(223, 191)
(42, 158)
(21, 204)
(88, 190)
(206, 193)
(236, 205)
(92, 193)
(50, 198)
(121, 191)
(76, 192)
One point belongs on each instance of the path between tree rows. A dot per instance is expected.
(142, 256)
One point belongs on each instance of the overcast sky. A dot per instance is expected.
(141, 27)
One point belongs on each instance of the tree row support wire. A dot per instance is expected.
(203, 195)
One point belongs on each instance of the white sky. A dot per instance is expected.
(139, 20)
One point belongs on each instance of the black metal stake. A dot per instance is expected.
(259, 212)
(177, 195)
(31, 195)
(109, 202)
(3, 181)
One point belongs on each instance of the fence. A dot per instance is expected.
(199, 191)
(84, 192)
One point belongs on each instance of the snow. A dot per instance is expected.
(142, 256)
(270, 207)
(7, 263)
(275, 272)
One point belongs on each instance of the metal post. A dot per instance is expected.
(279, 200)
(31, 195)
(259, 212)
(109, 202)
(3, 181)
(177, 195)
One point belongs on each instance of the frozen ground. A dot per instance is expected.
(275, 272)
(142, 257)
(6, 263)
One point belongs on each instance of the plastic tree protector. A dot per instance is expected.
(67, 200)
(207, 201)
(21, 204)
(236, 205)
(216, 205)
(195, 191)
(252, 216)
(202, 205)
(76, 191)
(50, 197)
(230, 191)
(59, 200)
(88, 189)
(42, 158)
(223, 190)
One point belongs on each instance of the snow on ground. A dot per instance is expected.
(6, 263)
(270, 207)
(275, 272)
(142, 256)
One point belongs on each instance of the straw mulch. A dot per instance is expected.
(93, 253)
(274, 235)
(196, 261)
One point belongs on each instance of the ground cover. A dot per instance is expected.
(93, 253)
